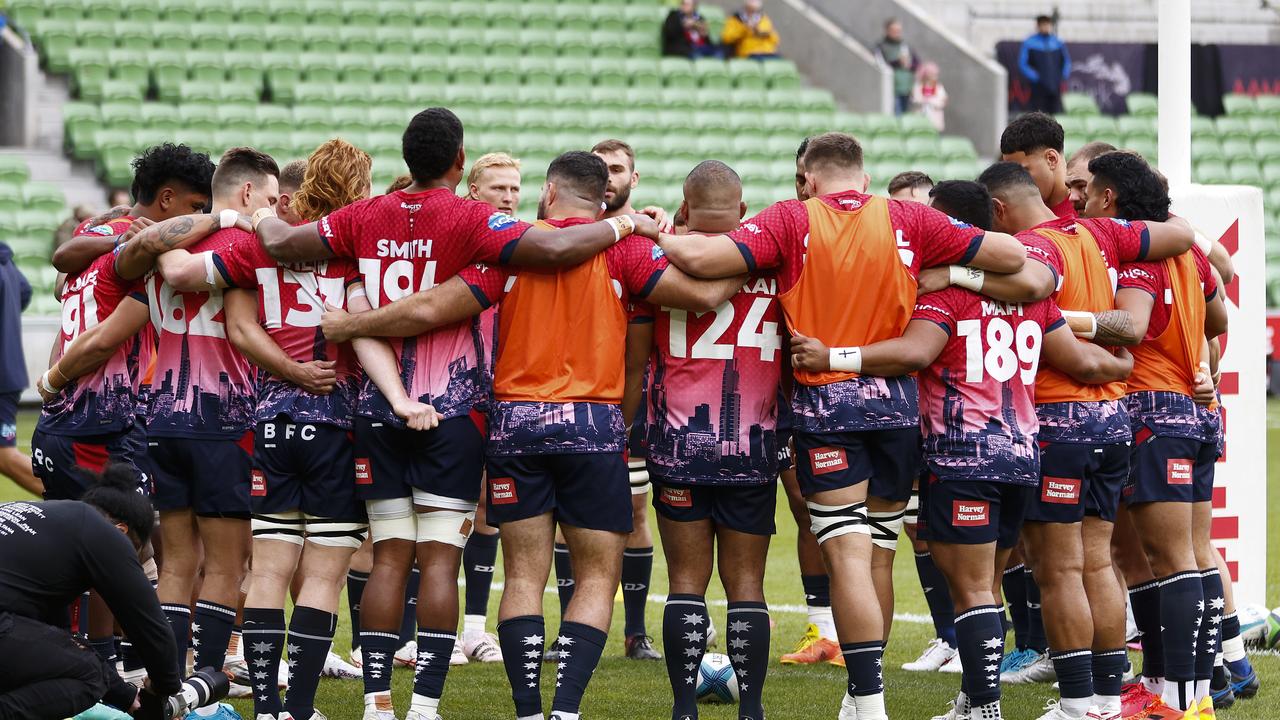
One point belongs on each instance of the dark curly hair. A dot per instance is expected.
(1031, 132)
(114, 491)
(1140, 194)
(431, 143)
(964, 200)
(165, 164)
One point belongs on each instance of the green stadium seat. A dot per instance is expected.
(1268, 105)
(56, 40)
(1263, 125)
(608, 18)
(250, 12)
(781, 75)
(434, 16)
(13, 170)
(713, 74)
(1245, 172)
(394, 40)
(1268, 151)
(1212, 172)
(197, 117)
(283, 39)
(951, 147)
(1079, 104)
(503, 17)
(356, 69)
(10, 202)
(358, 39)
(540, 17)
(311, 117)
(325, 13)
(502, 45)
(643, 73)
(748, 75)
(1239, 105)
(469, 16)
(645, 17)
(573, 44)
(1237, 149)
(40, 221)
(288, 15)
(216, 14)
(1142, 104)
(25, 12)
(94, 34)
(320, 39)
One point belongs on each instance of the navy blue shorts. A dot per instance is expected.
(972, 512)
(136, 442)
(583, 490)
(1078, 479)
(1170, 469)
(890, 459)
(9, 419)
(743, 508)
(443, 465)
(66, 463)
(210, 477)
(307, 467)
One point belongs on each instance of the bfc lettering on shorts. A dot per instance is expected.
(502, 491)
(970, 513)
(364, 471)
(1178, 471)
(1061, 491)
(825, 460)
(677, 497)
(258, 487)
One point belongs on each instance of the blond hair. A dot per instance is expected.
(338, 174)
(491, 160)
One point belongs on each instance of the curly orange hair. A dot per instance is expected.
(338, 174)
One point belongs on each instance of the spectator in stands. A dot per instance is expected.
(15, 295)
(929, 97)
(685, 33)
(911, 185)
(892, 50)
(68, 227)
(1046, 65)
(750, 33)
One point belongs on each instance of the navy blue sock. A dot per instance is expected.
(938, 597)
(105, 648)
(1145, 601)
(522, 640)
(1036, 639)
(637, 568)
(748, 638)
(564, 576)
(131, 659)
(980, 640)
(817, 590)
(1181, 597)
(1108, 671)
(580, 649)
(310, 636)
(1075, 672)
(434, 649)
(179, 617)
(863, 663)
(1014, 585)
(1210, 622)
(378, 650)
(684, 642)
(211, 626)
(263, 637)
(1231, 630)
(356, 581)
(409, 621)
(479, 558)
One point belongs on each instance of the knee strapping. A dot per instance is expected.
(451, 527)
(830, 521)
(285, 527)
(912, 516)
(885, 527)
(335, 533)
(392, 519)
(422, 498)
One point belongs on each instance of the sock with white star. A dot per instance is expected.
(1036, 639)
(1075, 679)
(377, 650)
(356, 581)
(179, 617)
(564, 576)
(938, 598)
(1233, 647)
(684, 642)
(310, 635)
(1145, 601)
(522, 641)
(580, 649)
(748, 638)
(863, 661)
(1181, 607)
(1108, 677)
(211, 626)
(1014, 585)
(1210, 629)
(817, 599)
(980, 640)
(409, 621)
(263, 642)
(434, 649)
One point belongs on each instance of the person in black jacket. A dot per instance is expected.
(685, 33)
(15, 296)
(52, 552)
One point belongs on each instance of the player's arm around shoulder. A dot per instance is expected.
(676, 289)
(95, 346)
(1084, 361)
(451, 301)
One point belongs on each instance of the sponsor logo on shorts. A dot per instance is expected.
(364, 471)
(677, 497)
(825, 460)
(1062, 491)
(258, 486)
(1178, 471)
(502, 491)
(8, 432)
(970, 513)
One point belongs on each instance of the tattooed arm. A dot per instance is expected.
(137, 257)
(1111, 327)
(79, 252)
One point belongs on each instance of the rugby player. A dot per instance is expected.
(979, 360)
(291, 176)
(725, 496)
(1034, 140)
(1078, 174)
(495, 179)
(849, 428)
(910, 185)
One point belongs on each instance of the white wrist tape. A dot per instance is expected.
(44, 384)
(1202, 242)
(967, 277)
(227, 218)
(1093, 322)
(845, 359)
(622, 226)
(210, 271)
(259, 215)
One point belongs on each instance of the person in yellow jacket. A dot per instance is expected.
(750, 32)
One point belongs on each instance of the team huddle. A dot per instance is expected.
(318, 386)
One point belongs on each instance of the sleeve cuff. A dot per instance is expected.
(1144, 244)
(480, 297)
(651, 283)
(749, 258)
(1055, 325)
(972, 251)
(222, 270)
(504, 255)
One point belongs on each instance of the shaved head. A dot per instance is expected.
(712, 198)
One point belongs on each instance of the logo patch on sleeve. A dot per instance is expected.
(1061, 491)
(502, 491)
(970, 513)
(677, 497)
(258, 484)
(1178, 471)
(364, 471)
(501, 221)
(825, 460)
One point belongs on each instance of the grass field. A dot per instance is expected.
(628, 689)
